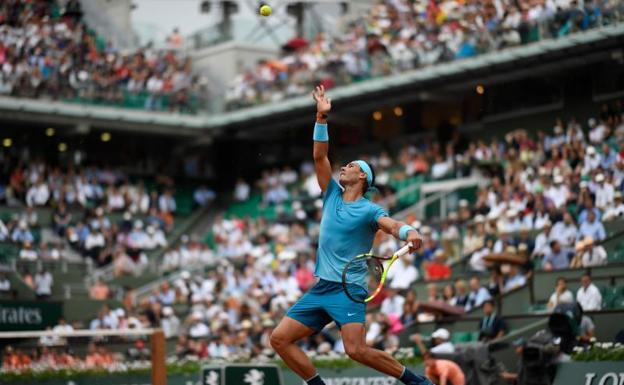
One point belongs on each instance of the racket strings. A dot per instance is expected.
(365, 272)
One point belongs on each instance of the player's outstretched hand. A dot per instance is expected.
(414, 239)
(323, 104)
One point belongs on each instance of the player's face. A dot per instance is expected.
(351, 174)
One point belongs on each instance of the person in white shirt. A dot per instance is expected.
(604, 192)
(63, 327)
(403, 275)
(28, 253)
(5, 284)
(560, 295)
(440, 168)
(38, 194)
(198, 328)
(477, 263)
(593, 255)
(615, 210)
(543, 239)
(393, 304)
(588, 295)
(169, 322)
(166, 202)
(440, 340)
(597, 131)
(94, 243)
(115, 200)
(241, 191)
(558, 192)
(43, 284)
(155, 238)
(591, 161)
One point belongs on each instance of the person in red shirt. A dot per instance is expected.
(438, 269)
(443, 372)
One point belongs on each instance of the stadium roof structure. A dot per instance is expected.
(571, 50)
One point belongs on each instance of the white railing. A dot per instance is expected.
(441, 191)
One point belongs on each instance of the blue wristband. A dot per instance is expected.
(403, 231)
(320, 133)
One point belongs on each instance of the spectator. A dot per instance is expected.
(440, 340)
(587, 329)
(461, 294)
(514, 280)
(241, 191)
(43, 284)
(616, 210)
(404, 274)
(197, 328)
(100, 290)
(491, 326)
(28, 253)
(477, 263)
(448, 294)
(478, 294)
(203, 196)
(543, 240)
(169, 322)
(590, 224)
(438, 269)
(22, 234)
(62, 219)
(443, 372)
(38, 194)
(604, 192)
(593, 255)
(393, 304)
(166, 296)
(588, 295)
(4, 231)
(5, 285)
(565, 231)
(557, 258)
(166, 202)
(560, 295)
(62, 327)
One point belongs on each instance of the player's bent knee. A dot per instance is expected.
(356, 352)
(278, 340)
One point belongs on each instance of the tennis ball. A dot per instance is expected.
(266, 10)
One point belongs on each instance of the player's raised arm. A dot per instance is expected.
(321, 138)
(401, 231)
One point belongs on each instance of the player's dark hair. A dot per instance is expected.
(370, 187)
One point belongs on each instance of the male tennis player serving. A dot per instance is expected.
(348, 226)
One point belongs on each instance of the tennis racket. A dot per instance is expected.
(367, 269)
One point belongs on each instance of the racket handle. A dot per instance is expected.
(403, 250)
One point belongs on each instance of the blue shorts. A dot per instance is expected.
(326, 302)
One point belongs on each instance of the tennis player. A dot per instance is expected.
(348, 226)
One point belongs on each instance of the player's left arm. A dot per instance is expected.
(402, 231)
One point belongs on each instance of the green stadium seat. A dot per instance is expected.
(462, 337)
(618, 302)
(609, 295)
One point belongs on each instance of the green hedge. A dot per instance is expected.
(600, 352)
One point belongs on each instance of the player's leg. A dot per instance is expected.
(354, 340)
(283, 340)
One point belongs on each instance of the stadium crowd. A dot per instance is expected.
(568, 179)
(97, 213)
(400, 35)
(47, 51)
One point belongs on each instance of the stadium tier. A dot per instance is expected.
(156, 215)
